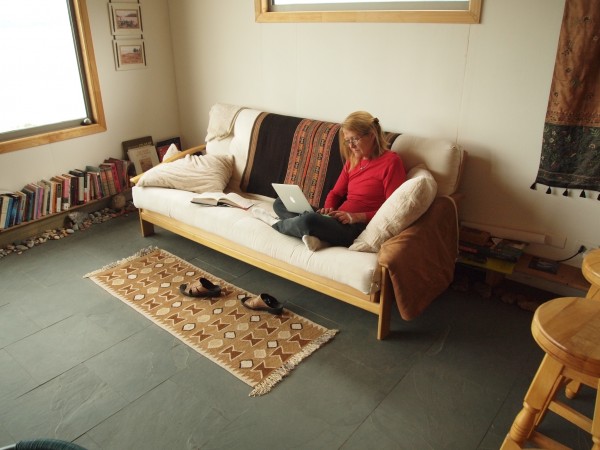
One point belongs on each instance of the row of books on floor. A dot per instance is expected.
(62, 192)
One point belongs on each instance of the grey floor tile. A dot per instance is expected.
(141, 362)
(60, 347)
(64, 408)
(14, 381)
(15, 324)
(168, 417)
(115, 317)
(431, 409)
(5, 438)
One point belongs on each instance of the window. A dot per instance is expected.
(432, 11)
(50, 90)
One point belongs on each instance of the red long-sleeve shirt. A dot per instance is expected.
(364, 190)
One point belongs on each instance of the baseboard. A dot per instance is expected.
(555, 287)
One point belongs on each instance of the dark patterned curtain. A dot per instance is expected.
(571, 142)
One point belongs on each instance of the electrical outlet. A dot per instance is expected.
(588, 246)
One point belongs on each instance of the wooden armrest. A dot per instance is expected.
(179, 155)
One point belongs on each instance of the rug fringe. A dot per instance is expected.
(142, 252)
(265, 386)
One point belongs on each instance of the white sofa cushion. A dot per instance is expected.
(237, 143)
(198, 174)
(402, 208)
(443, 159)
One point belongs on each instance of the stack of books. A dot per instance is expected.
(62, 192)
(480, 248)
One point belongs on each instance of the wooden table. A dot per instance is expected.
(591, 271)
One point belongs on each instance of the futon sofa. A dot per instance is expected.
(406, 254)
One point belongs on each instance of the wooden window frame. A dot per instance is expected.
(90, 71)
(472, 15)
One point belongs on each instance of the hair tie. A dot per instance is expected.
(375, 120)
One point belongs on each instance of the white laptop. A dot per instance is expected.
(292, 197)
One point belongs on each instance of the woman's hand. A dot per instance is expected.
(325, 211)
(348, 218)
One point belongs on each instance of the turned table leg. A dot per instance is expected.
(542, 389)
(596, 421)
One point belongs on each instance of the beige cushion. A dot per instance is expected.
(206, 173)
(443, 158)
(402, 208)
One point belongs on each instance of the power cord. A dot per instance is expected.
(581, 250)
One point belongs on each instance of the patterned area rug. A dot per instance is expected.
(257, 347)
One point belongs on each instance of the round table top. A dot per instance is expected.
(568, 329)
(591, 267)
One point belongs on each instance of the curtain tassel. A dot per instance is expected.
(566, 193)
(582, 195)
(533, 186)
(549, 190)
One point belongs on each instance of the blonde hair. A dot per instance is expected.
(364, 124)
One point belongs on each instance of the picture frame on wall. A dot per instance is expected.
(129, 54)
(125, 19)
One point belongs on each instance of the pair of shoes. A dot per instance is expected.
(200, 288)
(263, 302)
(265, 216)
(313, 243)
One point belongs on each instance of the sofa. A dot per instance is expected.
(405, 256)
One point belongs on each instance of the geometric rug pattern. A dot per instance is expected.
(257, 347)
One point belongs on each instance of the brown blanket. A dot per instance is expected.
(429, 248)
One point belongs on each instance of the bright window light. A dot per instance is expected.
(313, 2)
(369, 5)
(40, 78)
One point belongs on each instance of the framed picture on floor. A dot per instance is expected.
(163, 146)
(143, 158)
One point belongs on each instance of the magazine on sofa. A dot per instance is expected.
(222, 199)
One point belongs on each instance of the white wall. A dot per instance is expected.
(485, 85)
(136, 103)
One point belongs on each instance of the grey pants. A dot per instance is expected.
(325, 228)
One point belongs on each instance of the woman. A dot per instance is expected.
(371, 173)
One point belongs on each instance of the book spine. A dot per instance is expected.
(116, 177)
(104, 179)
(109, 177)
(3, 209)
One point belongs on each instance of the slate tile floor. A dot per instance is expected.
(77, 364)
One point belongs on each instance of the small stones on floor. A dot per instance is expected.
(76, 221)
(506, 292)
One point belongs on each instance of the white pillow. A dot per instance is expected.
(171, 151)
(402, 208)
(205, 173)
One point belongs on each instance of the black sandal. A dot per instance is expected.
(263, 302)
(200, 288)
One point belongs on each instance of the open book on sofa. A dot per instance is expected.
(222, 199)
